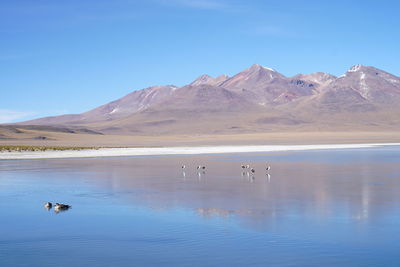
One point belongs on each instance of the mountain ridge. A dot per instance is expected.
(255, 99)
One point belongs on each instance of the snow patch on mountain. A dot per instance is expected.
(115, 110)
(270, 69)
(364, 89)
(355, 68)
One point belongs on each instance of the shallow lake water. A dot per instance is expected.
(313, 208)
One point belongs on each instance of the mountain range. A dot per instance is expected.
(258, 99)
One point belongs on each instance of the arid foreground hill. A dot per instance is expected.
(256, 100)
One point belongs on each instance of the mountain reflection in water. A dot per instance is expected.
(341, 203)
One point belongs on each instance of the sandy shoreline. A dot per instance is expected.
(118, 152)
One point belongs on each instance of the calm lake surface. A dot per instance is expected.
(316, 208)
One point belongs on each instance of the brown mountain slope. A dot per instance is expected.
(319, 79)
(266, 86)
(258, 99)
(206, 79)
(125, 106)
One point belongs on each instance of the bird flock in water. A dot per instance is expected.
(200, 168)
(245, 169)
(57, 207)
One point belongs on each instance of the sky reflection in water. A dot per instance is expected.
(316, 208)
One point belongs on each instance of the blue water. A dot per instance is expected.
(315, 208)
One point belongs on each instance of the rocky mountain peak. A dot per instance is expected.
(261, 90)
(257, 67)
(355, 68)
(208, 80)
(316, 78)
(203, 79)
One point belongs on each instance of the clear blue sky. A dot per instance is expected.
(70, 56)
